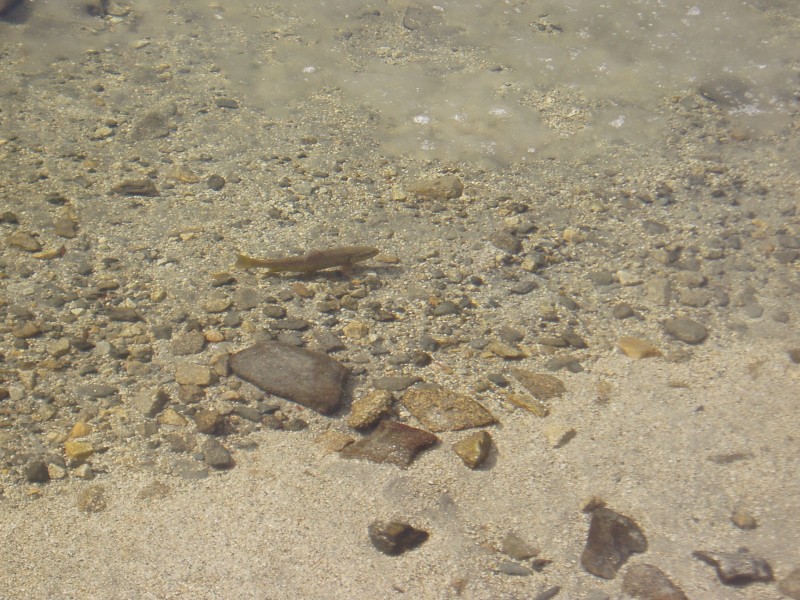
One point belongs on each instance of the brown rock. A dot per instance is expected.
(532, 405)
(391, 442)
(443, 410)
(395, 537)
(612, 538)
(736, 568)
(541, 386)
(308, 378)
(650, 583)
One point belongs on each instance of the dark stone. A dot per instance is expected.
(215, 182)
(216, 455)
(308, 378)
(36, 472)
(395, 537)
(686, 330)
(6, 5)
(391, 442)
(650, 583)
(736, 568)
(123, 313)
(611, 540)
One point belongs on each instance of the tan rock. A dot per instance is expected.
(532, 405)
(192, 374)
(505, 350)
(540, 385)
(80, 429)
(355, 330)
(172, 417)
(78, 451)
(637, 348)
(369, 408)
(443, 410)
(333, 441)
(558, 434)
(474, 449)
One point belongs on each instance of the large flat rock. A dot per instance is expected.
(308, 378)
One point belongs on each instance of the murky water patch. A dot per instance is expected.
(477, 81)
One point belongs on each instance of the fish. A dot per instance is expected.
(316, 260)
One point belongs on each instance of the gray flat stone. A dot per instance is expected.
(308, 378)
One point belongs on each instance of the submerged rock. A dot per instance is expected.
(395, 537)
(736, 568)
(308, 378)
(443, 410)
(391, 442)
(611, 540)
(650, 583)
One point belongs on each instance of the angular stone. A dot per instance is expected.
(190, 342)
(24, 241)
(333, 441)
(216, 455)
(209, 422)
(443, 410)
(612, 538)
(541, 386)
(391, 442)
(308, 378)
(395, 537)
(736, 568)
(650, 583)
(150, 402)
(532, 405)
(191, 374)
(505, 350)
(79, 430)
(369, 408)
(517, 548)
(78, 451)
(37, 472)
(636, 348)
(474, 449)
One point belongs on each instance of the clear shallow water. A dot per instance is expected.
(456, 80)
